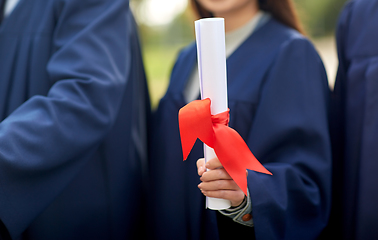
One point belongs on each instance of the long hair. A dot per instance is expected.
(281, 10)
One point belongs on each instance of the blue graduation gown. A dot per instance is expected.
(355, 123)
(278, 99)
(73, 105)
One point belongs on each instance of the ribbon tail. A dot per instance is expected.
(195, 122)
(235, 156)
(187, 140)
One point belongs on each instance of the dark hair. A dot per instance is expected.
(282, 10)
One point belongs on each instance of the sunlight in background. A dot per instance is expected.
(162, 37)
(160, 12)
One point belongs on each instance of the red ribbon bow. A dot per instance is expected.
(196, 121)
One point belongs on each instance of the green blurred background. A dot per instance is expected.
(167, 25)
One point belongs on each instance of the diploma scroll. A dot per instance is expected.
(210, 38)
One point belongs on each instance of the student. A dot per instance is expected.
(73, 103)
(278, 99)
(354, 126)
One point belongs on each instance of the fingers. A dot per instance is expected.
(201, 166)
(216, 174)
(219, 185)
(212, 175)
(213, 164)
(225, 189)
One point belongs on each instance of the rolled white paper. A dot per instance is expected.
(211, 53)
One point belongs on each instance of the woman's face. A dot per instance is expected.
(224, 7)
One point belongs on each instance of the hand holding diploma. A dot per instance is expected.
(217, 183)
(207, 119)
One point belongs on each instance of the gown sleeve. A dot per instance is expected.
(290, 137)
(47, 140)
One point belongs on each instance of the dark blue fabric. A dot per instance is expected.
(355, 129)
(2, 5)
(73, 105)
(4, 234)
(278, 100)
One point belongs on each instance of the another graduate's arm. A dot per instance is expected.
(290, 137)
(46, 141)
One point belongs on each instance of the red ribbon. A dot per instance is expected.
(196, 121)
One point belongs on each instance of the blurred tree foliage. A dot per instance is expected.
(319, 17)
(179, 31)
(161, 43)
